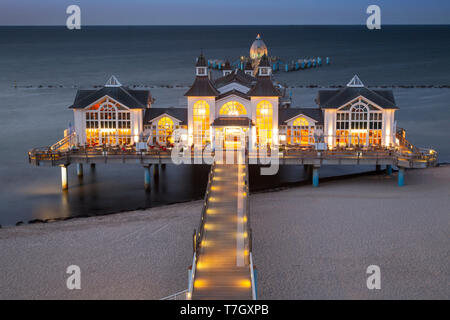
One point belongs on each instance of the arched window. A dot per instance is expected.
(107, 122)
(165, 129)
(359, 124)
(302, 132)
(232, 108)
(201, 122)
(359, 117)
(264, 120)
(300, 122)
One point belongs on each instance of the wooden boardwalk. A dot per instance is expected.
(222, 270)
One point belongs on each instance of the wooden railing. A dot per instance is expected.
(65, 143)
(400, 135)
(248, 244)
(198, 234)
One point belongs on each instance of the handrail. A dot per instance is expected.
(400, 135)
(198, 234)
(200, 229)
(58, 155)
(252, 277)
(249, 239)
(192, 276)
(67, 140)
(176, 295)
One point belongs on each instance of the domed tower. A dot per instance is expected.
(258, 49)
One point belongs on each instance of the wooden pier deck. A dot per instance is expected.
(288, 156)
(222, 270)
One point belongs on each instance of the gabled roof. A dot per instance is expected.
(235, 92)
(289, 113)
(238, 76)
(177, 113)
(202, 87)
(264, 88)
(333, 99)
(134, 99)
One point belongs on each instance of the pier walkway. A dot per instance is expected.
(222, 266)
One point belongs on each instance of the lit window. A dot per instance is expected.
(165, 129)
(302, 132)
(264, 120)
(358, 125)
(107, 122)
(233, 108)
(201, 122)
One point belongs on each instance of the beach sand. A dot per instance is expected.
(308, 243)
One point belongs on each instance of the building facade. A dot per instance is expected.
(239, 108)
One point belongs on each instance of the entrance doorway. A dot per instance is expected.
(233, 138)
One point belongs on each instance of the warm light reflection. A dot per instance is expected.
(200, 283)
(245, 283)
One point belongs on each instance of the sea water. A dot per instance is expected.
(41, 69)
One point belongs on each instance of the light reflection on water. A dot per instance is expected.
(115, 188)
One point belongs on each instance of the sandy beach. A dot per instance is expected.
(309, 243)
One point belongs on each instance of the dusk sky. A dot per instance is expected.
(229, 12)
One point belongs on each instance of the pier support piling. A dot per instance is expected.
(389, 170)
(307, 171)
(147, 178)
(155, 171)
(79, 170)
(378, 168)
(401, 177)
(315, 177)
(64, 177)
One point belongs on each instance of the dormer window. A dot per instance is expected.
(201, 71)
(264, 71)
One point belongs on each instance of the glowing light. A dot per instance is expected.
(209, 226)
(200, 283)
(245, 283)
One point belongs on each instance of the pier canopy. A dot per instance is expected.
(258, 48)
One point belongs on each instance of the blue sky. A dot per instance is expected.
(223, 12)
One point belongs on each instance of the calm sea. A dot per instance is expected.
(35, 115)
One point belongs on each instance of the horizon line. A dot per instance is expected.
(219, 25)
